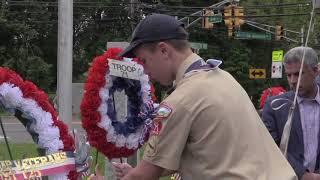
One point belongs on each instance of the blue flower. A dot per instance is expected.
(135, 106)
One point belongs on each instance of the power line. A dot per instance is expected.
(246, 7)
(246, 16)
(74, 2)
(192, 7)
(121, 4)
(56, 12)
(187, 10)
(76, 6)
(279, 5)
(22, 3)
(176, 14)
(275, 15)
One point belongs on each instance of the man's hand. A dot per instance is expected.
(121, 169)
(144, 170)
(310, 176)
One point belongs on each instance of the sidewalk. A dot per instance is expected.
(17, 133)
(76, 118)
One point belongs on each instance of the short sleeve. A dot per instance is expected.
(169, 136)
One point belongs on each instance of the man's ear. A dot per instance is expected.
(163, 47)
(317, 69)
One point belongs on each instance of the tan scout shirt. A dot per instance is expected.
(209, 130)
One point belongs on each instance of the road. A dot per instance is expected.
(17, 133)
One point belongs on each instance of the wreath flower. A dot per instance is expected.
(33, 108)
(112, 136)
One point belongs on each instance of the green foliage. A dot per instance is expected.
(19, 49)
(19, 151)
(32, 68)
(28, 36)
(237, 64)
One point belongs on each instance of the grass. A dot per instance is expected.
(4, 113)
(19, 151)
(28, 150)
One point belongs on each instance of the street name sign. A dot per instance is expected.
(216, 18)
(252, 35)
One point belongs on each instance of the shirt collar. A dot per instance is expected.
(317, 98)
(184, 66)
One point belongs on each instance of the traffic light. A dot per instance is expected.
(228, 22)
(230, 31)
(227, 13)
(238, 11)
(228, 19)
(238, 19)
(205, 20)
(279, 34)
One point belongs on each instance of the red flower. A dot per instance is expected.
(31, 91)
(91, 102)
(9, 76)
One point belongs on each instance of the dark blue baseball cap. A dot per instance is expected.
(155, 27)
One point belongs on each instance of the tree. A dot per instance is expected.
(28, 33)
(19, 53)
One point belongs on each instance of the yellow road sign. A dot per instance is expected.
(257, 73)
(277, 56)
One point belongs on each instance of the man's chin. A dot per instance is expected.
(165, 83)
(300, 91)
(301, 94)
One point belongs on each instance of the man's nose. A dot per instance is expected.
(293, 80)
(145, 69)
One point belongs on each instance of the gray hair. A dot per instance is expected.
(295, 55)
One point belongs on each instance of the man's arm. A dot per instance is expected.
(144, 171)
(297, 166)
(269, 120)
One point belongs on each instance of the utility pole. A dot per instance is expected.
(302, 36)
(132, 14)
(316, 4)
(65, 45)
(3, 6)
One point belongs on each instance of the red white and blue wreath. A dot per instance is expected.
(33, 108)
(114, 137)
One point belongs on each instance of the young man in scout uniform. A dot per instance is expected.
(207, 128)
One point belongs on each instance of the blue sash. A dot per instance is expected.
(201, 65)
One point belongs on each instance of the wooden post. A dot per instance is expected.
(42, 152)
(65, 45)
(120, 104)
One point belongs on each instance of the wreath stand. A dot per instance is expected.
(121, 101)
(6, 139)
(132, 160)
(41, 152)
